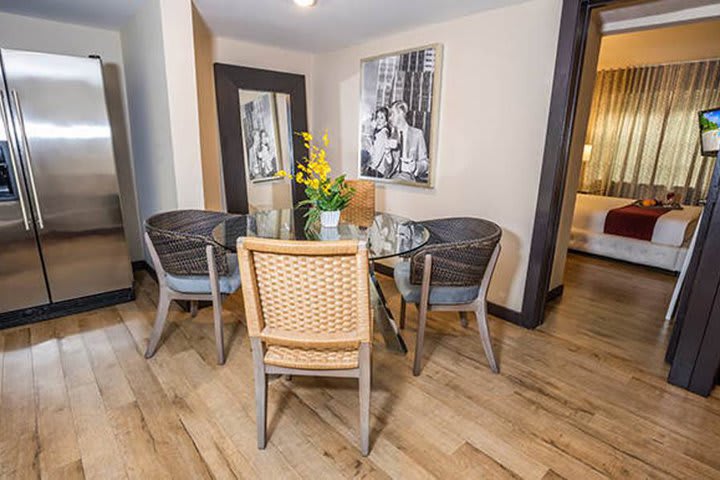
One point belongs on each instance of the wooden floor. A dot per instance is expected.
(582, 397)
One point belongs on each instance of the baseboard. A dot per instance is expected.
(64, 308)
(143, 266)
(383, 269)
(555, 293)
(494, 309)
(508, 314)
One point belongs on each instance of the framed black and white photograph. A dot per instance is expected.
(399, 107)
(260, 135)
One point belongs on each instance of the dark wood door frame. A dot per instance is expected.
(693, 348)
(229, 79)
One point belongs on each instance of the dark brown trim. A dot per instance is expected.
(382, 269)
(693, 349)
(555, 293)
(508, 314)
(228, 80)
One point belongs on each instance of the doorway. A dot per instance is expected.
(579, 44)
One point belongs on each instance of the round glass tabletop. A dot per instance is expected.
(387, 235)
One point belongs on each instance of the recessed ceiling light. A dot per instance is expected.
(305, 3)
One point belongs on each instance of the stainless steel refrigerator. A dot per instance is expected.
(62, 245)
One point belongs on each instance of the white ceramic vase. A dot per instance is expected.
(330, 219)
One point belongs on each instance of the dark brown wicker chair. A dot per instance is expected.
(190, 266)
(452, 272)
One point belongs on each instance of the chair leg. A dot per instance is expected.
(217, 306)
(422, 320)
(364, 384)
(403, 307)
(160, 319)
(219, 339)
(463, 319)
(261, 383)
(422, 315)
(193, 308)
(481, 314)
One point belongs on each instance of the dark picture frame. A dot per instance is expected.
(229, 80)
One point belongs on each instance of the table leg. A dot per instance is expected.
(384, 320)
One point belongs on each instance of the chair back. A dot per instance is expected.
(306, 295)
(361, 209)
(180, 239)
(461, 250)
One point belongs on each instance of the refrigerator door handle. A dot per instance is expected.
(4, 112)
(26, 148)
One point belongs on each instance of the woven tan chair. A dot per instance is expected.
(361, 209)
(307, 307)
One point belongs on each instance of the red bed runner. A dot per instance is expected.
(633, 221)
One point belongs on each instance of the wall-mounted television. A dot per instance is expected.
(710, 131)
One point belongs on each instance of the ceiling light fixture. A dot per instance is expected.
(305, 3)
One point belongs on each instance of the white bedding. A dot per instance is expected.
(673, 228)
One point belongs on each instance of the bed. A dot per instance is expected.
(667, 248)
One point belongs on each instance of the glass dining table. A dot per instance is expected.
(386, 235)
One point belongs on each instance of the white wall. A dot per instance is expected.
(26, 33)
(496, 85)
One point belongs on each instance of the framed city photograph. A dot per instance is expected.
(258, 117)
(399, 107)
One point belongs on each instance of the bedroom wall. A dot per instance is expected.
(494, 104)
(680, 43)
(27, 33)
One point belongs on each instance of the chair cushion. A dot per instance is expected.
(312, 358)
(439, 295)
(201, 283)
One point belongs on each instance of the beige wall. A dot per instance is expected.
(497, 77)
(158, 55)
(179, 54)
(207, 112)
(582, 114)
(681, 43)
(211, 50)
(144, 61)
(26, 33)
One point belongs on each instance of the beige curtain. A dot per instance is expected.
(644, 131)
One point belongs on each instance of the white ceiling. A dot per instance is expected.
(330, 25)
(95, 13)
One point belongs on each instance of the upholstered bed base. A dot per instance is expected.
(629, 249)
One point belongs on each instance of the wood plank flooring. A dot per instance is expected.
(582, 397)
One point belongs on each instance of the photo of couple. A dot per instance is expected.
(398, 116)
(259, 127)
(397, 150)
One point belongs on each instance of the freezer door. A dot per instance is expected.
(22, 281)
(61, 119)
